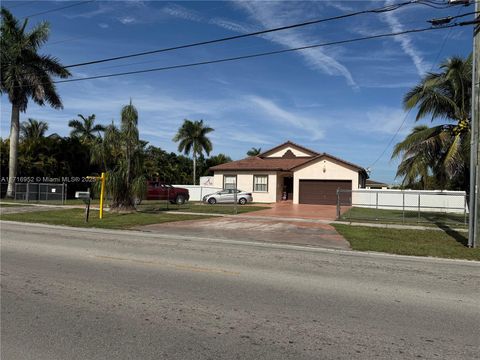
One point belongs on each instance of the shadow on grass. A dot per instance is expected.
(460, 238)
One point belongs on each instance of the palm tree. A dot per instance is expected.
(85, 129)
(254, 151)
(444, 149)
(125, 180)
(192, 137)
(25, 74)
(419, 151)
(33, 130)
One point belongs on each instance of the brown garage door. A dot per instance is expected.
(324, 192)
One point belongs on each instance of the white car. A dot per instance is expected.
(228, 196)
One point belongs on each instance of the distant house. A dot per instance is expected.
(371, 184)
(291, 171)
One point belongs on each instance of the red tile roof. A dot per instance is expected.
(257, 163)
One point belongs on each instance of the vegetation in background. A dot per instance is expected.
(439, 155)
(192, 137)
(25, 74)
(33, 130)
(254, 151)
(85, 129)
(446, 244)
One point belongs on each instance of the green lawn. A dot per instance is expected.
(446, 244)
(407, 217)
(152, 206)
(75, 217)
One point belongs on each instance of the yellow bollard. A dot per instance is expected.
(102, 192)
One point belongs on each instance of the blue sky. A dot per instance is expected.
(344, 100)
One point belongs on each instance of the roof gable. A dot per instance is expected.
(287, 149)
(325, 155)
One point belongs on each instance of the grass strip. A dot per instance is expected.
(76, 217)
(445, 244)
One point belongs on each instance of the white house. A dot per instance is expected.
(291, 172)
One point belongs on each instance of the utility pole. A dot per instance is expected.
(474, 211)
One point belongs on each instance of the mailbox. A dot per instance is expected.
(84, 195)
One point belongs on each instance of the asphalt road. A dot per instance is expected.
(82, 294)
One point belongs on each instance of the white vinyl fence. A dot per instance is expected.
(197, 192)
(411, 200)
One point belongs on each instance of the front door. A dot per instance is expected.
(288, 187)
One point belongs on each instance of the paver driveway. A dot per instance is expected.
(300, 211)
(251, 228)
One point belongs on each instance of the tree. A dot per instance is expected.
(33, 130)
(442, 151)
(214, 161)
(254, 151)
(125, 174)
(85, 129)
(25, 74)
(192, 137)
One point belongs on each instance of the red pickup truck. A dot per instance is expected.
(157, 190)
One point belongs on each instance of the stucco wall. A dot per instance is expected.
(333, 171)
(280, 153)
(245, 183)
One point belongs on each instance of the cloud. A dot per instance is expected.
(276, 14)
(126, 20)
(232, 25)
(280, 115)
(338, 5)
(405, 41)
(182, 12)
(104, 25)
(383, 119)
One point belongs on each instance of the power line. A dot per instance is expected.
(242, 57)
(57, 9)
(410, 110)
(311, 22)
(157, 60)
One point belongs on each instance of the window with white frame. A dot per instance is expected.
(229, 181)
(260, 183)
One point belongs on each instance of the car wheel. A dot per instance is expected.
(242, 201)
(180, 200)
(212, 201)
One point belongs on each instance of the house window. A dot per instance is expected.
(229, 181)
(260, 183)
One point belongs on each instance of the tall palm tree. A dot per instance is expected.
(443, 149)
(25, 74)
(254, 151)
(192, 137)
(85, 128)
(33, 130)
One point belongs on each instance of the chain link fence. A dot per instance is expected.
(403, 206)
(52, 193)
